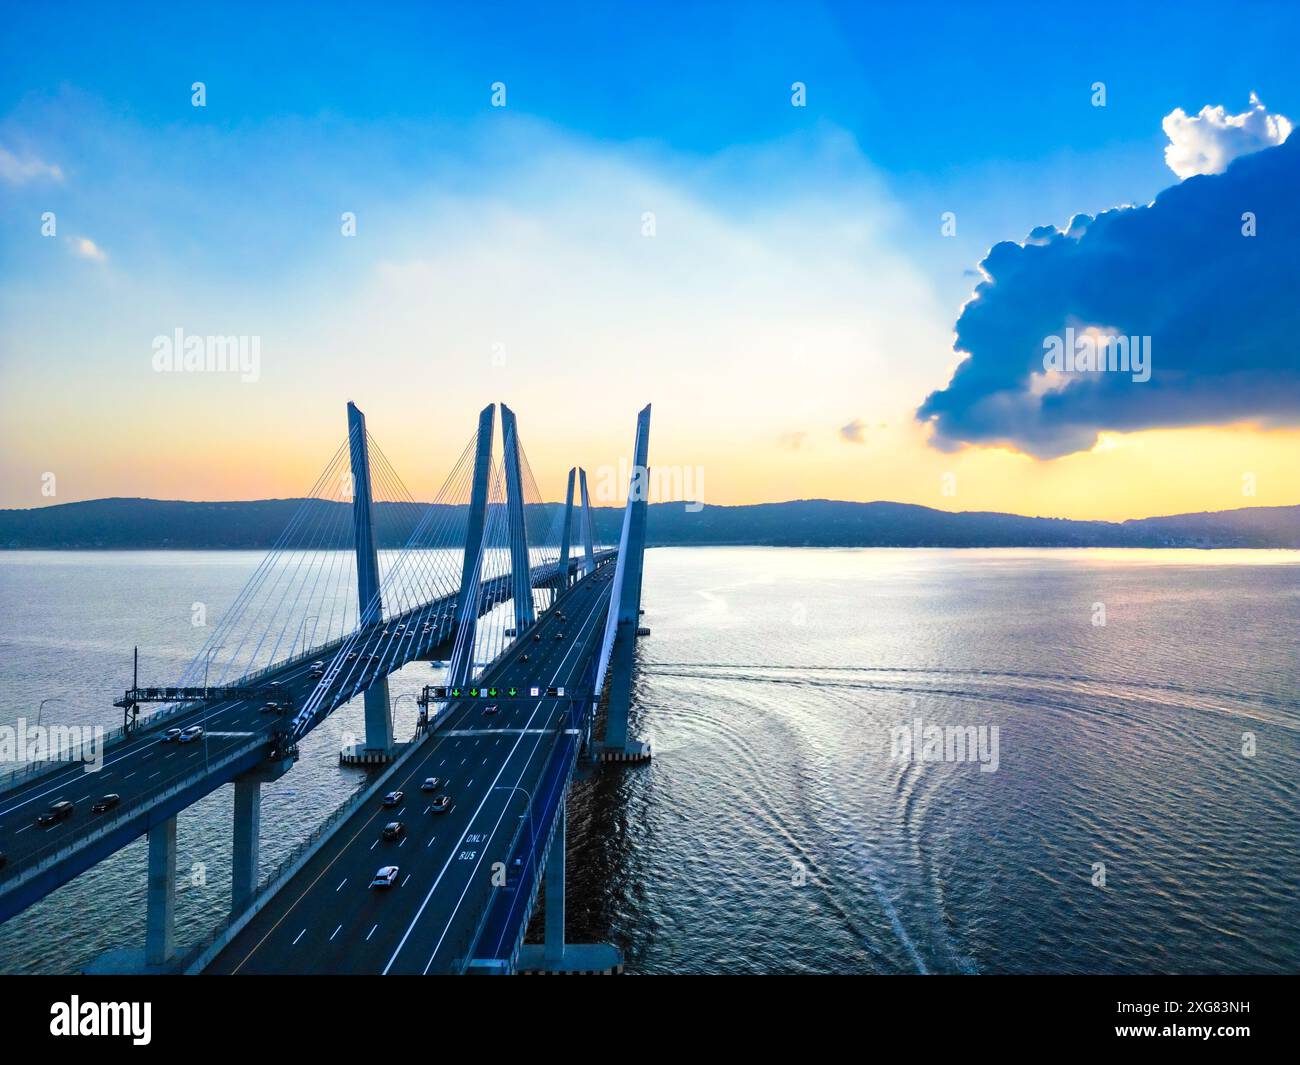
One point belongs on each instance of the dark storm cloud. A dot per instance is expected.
(1222, 310)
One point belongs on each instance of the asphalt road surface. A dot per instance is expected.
(328, 919)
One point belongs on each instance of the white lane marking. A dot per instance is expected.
(430, 843)
(370, 933)
(335, 932)
(374, 845)
(407, 877)
(152, 775)
(300, 935)
(341, 883)
(403, 843)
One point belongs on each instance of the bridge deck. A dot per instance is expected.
(328, 919)
(157, 780)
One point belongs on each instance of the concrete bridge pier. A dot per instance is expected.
(160, 916)
(247, 830)
(618, 746)
(378, 745)
(554, 955)
(158, 955)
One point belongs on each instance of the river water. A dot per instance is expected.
(1143, 815)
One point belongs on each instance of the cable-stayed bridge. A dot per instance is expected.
(526, 619)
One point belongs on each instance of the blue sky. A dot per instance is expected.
(225, 218)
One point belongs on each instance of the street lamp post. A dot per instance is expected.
(532, 828)
(208, 662)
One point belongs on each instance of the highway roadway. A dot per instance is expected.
(140, 769)
(327, 918)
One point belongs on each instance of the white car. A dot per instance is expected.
(194, 732)
(170, 736)
(385, 877)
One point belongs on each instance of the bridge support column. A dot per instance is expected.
(553, 954)
(160, 915)
(617, 746)
(588, 549)
(248, 820)
(521, 582)
(462, 658)
(562, 578)
(379, 714)
(248, 830)
(553, 950)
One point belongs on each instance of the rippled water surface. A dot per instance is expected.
(774, 831)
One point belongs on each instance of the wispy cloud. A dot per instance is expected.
(855, 432)
(85, 248)
(18, 170)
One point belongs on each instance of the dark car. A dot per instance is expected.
(441, 804)
(537, 638)
(393, 798)
(270, 708)
(559, 635)
(488, 711)
(523, 658)
(59, 811)
(105, 803)
(394, 830)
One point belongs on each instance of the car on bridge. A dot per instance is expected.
(537, 637)
(317, 670)
(393, 830)
(189, 735)
(393, 798)
(170, 736)
(385, 877)
(431, 784)
(488, 711)
(441, 804)
(559, 635)
(58, 811)
(270, 708)
(105, 803)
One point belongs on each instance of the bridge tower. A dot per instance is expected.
(589, 551)
(521, 583)
(378, 744)
(462, 660)
(562, 578)
(617, 746)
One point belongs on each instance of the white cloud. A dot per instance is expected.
(86, 248)
(17, 171)
(1208, 142)
(855, 432)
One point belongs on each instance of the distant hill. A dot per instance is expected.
(152, 523)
